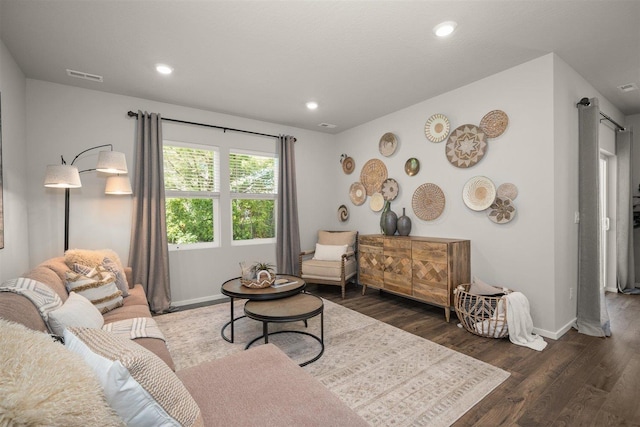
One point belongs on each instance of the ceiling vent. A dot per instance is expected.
(327, 125)
(86, 76)
(628, 87)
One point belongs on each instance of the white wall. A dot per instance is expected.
(14, 258)
(634, 123)
(64, 120)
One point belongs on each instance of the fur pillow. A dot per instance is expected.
(90, 257)
(44, 384)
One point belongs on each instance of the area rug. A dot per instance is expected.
(388, 376)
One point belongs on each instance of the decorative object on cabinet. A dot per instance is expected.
(467, 145)
(348, 164)
(357, 193)
(421, 268)
(404, 224)
(388, 144)
(428, 202)
(377, 202)
(494, 123)
(412, 166)
(437, 128)
(502, 210)
(390, 189)
(507, 190)
(343, 213)
(373, 173)
(479, 193)
(388, 220)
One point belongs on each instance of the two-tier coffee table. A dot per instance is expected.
(234, 289)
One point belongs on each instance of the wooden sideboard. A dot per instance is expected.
(426, 269)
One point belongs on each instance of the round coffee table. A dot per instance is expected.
(234, 289)
(302, 306)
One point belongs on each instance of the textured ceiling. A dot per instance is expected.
(358, 59)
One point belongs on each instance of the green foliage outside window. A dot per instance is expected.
(253, 219)
(189, 220)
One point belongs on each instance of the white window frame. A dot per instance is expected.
(214, 195)
(253, 196)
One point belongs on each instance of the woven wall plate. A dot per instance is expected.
(479, 193)
(428, 202)
(502, 210)
(437, 128)
(412, 166)
(343, 213)
(348, 165)
(390, 189)
(373, 173)
(508, 190)
(377, 202)
(494, 123)
(466, 146)
(388, 144)
(357, 193)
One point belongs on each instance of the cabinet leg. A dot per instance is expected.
(364, 289)
(447, 313)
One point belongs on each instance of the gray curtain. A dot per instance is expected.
(149, 253)
(626, 275)
(288, 230)
(592, 316)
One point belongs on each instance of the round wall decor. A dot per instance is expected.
(348, 165)
(377, 202)
(343, 213)
(412, 166)
(390, 189)
(428, 202)
(388, 144)
(373, 173)
(467, 145)
(508, 190)
(502, 210)
(479, 193)
(494, 123)
(437, 128)
(357, 193)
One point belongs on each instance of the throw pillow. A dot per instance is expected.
(329, 252)
(76, 311)
(110, 266)
(138, 385)
(90, 257)
(98, 287)
(478, 287)
(44, 384)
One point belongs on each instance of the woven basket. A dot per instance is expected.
(259, 282)
(481, 315)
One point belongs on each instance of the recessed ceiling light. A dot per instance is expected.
(445, 29)
(164, 69)
(311, 105)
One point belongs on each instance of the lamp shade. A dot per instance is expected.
(62, 176)
(111, 162)
(118, 185)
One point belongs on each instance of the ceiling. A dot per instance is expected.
(358, 59)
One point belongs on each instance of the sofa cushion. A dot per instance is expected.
(52, 273)
(263, 387)
(76, 311)
(328, 270)
(137, 384)
(98, 287)
(44, 384)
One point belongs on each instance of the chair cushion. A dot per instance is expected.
(338, 238)
(327, 270)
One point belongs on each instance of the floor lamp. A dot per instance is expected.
(67, 176)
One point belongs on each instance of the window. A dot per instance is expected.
(253, 187)
(192, 191)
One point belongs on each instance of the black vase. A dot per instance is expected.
(404, 224)
(388, 220)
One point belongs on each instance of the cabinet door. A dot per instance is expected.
(431, 273)
(397, 265)
(371, 261)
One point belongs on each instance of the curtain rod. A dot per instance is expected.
(586, 103)
(224, 129)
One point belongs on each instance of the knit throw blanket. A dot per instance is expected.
(137, 327)
(42, 296)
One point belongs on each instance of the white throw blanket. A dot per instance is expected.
(520, 323)
(42, 296)
(137, 327)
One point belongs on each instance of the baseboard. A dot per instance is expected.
(198, 300)
(557, 334)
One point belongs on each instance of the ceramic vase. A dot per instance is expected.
(388, 220)
(404, 224)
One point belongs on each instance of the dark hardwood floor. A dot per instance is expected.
(577, 380)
